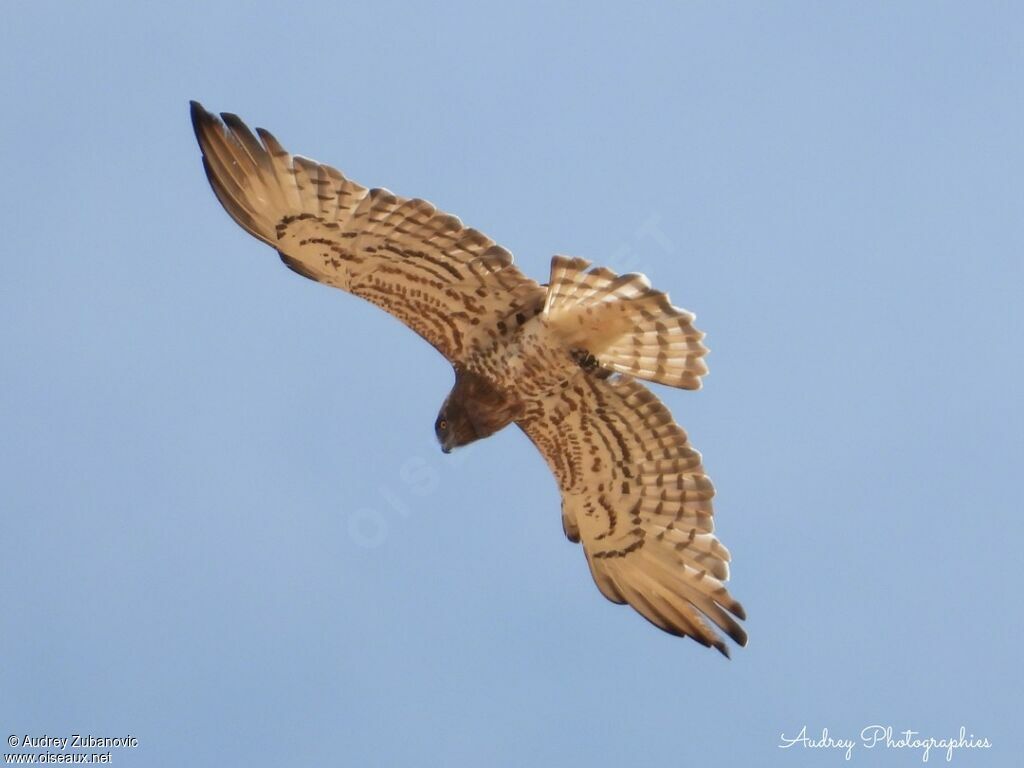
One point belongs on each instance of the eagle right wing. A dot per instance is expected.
(449, 283)
(635, 494)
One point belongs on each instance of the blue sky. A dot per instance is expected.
(227, 528)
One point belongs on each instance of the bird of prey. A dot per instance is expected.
(561, 361)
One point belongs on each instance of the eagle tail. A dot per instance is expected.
(623, 324)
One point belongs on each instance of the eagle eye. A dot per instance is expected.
(442, 424)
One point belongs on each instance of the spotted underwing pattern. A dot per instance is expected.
(560, 360)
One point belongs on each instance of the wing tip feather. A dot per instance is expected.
(201, 119)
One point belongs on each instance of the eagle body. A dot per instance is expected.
(559, 360)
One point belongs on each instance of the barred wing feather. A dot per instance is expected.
(447, 282)
(635, 494)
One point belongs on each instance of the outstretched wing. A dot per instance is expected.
(635, 494)
(447, 282)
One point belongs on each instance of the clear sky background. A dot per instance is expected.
(227, 529)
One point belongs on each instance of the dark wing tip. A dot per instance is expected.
(231, 120)
(199, 115)
(201, 120)
(739, 612)
(738, 635)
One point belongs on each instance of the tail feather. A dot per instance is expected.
(563, 285)
(624, 323)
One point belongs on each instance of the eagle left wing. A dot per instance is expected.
(449, 283)
(635, 494)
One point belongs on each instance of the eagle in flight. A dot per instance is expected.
(559, 360)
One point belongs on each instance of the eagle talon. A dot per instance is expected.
(584, 359)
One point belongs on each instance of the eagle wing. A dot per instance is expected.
(449, 283)
(635, 494)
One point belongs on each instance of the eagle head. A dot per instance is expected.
(473, 409)
(454, 427)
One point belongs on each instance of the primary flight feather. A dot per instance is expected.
(558, 360)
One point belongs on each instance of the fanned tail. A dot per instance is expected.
(624, 324)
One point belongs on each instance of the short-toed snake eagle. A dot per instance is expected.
(558, 360)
